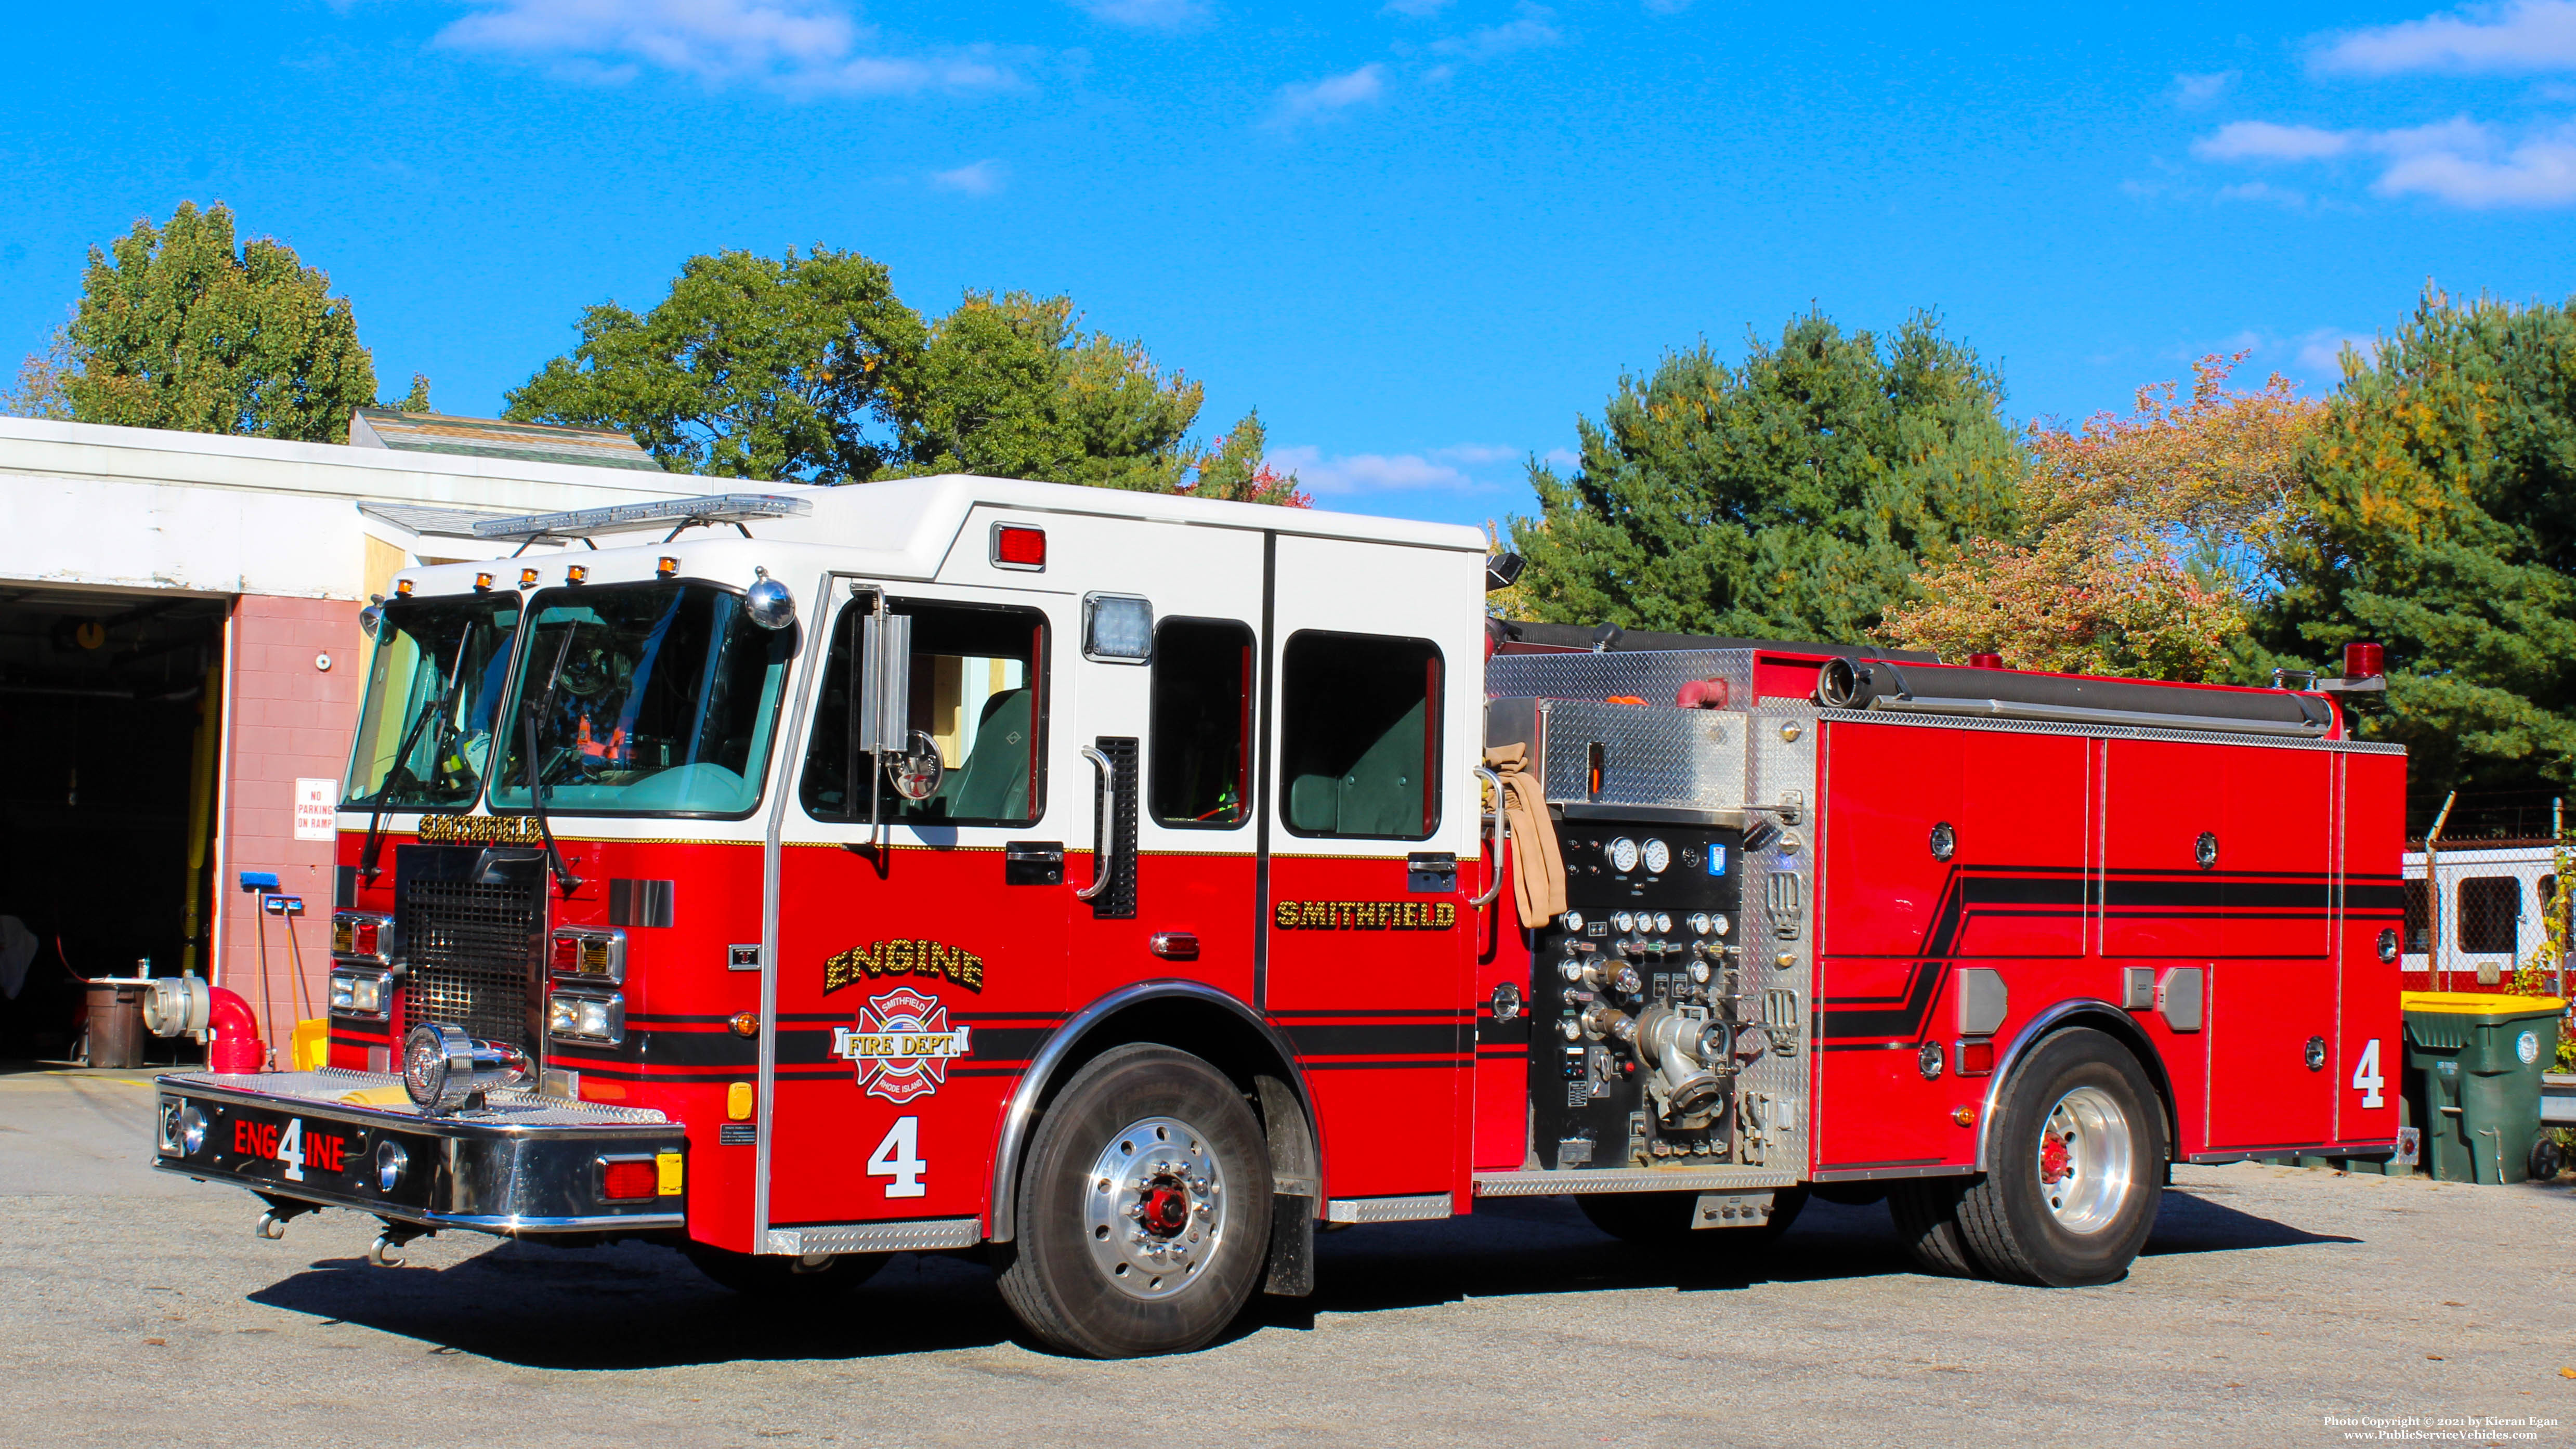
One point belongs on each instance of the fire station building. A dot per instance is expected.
(180, 663)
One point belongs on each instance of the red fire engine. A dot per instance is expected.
(1127, 887)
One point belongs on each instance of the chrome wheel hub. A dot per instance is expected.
(2084, 1160)
(1155, 1210)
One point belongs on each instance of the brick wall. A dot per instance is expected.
(290, 720)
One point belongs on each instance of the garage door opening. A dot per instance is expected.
(109, 726)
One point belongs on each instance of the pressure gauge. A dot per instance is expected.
(1572, 921)
(1700, 924)
(1699, 972)
(1623, 855)
(1659, 857)
(1663, 921)
(1624, 921)
(1721, 924)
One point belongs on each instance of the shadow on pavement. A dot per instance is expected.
(640, 1306)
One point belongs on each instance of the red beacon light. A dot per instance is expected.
(2364, 661)
(1017, 546)
(1985, 661)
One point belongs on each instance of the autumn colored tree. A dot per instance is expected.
(2145, 544)
(180, 326)
(1236, 469)
(1793, 496)
(2443, 487)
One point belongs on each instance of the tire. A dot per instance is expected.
(2546, 1157)
(1131, 1244)
(1663, 1219)
(2087, 1092)
(783, 1280)
(1927, 1223)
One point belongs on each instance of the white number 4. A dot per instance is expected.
(2366, 1078)
(899, 1157)
(290, 1149)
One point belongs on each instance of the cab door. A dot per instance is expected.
(1369, 942)
(921, 963)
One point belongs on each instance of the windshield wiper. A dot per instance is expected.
(536, 781)
(373, 850)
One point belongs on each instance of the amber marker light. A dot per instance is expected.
(482, 583)
(403, 588)
(667, 567)
(527, 578)
(576, 573)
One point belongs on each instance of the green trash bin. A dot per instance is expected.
(2473, 1066)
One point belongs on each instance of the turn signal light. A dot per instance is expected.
(628, 1179)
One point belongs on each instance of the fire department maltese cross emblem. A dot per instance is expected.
(902, 1044)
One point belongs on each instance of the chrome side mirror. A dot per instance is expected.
(768, 602)
(916, 772)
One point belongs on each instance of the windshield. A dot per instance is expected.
(425, 734)
(649, 699)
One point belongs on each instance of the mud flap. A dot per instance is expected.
(1292, 1246)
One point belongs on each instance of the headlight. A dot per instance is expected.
(192, 1129)
(444, 1069)
(361, 993)
(580, 1016)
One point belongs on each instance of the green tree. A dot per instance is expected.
(179, 327)
(1238, 470)
(1010, 387)
(2442, 495)
(1793, 496)
(750, 368)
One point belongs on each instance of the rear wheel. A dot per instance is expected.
(1144, 1209)
(1927, 1222)
(2077, 1157)
(1663, 1219)
(786, 1280)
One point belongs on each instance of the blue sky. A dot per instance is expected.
(1420, 236)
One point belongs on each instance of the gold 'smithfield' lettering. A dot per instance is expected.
(1366, 915)
(904, 958)
(480, 830)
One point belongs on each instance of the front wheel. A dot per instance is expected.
(2077, 1167)
(1144, 1209)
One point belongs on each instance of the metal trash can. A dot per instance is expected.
(2474, 1061)
(115, 1021)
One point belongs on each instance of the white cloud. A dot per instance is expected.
(804, 47)
(1352, 473)
(2539, 172)
(1146, 14)
(2190, 90)
(1330, 96)
(1418, 9)
(2458, 161)
(2520, 37)
(2266, 141)
(981, 178)
(2264, 191)
(2321, 352)
(1528, 29)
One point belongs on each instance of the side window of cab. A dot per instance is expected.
(1360, 736)
(979, 692)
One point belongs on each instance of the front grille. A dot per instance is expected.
(473, 941)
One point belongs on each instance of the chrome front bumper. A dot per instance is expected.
(520, 1164)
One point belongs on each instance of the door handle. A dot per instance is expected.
(1103, 867)
(1502, 833)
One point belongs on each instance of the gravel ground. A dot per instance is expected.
(137, 1309)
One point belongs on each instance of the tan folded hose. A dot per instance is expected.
(1538, 867)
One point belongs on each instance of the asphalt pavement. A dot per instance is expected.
(2274, 1306)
